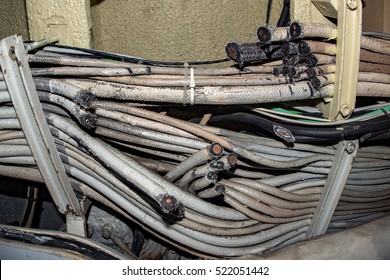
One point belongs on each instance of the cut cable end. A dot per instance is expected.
(295, 30)
(85, 99)
(215, 150)
(233, 52)
(264, 33)
(284, 133)
(169, 204)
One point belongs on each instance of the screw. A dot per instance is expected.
(350, 147)
(11, 53)
(345, 110)
(352, 4)
(106, 231)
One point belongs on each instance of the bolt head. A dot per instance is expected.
(352, 4)
(345, 110)
(106, 232)
(350, 148)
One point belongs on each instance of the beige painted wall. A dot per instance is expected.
(176, 30)
(13, 18)
(67, 19)
(166, 30)
(376, 16)
(305, 11)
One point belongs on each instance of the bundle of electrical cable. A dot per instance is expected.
(214, 162)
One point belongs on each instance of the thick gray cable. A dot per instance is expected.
(206, 95)
(110, 155)
(264, 208)
(201, 132)
(131, 139)
(150, 134)
(174, 231)
(73, 159)
(136, 69)
(196, 159)
(144, 177)
(144, 123)
(232, 201)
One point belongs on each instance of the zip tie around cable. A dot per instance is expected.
(185, 87)
(191, 85)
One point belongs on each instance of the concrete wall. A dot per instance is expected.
(176, 30)
(13, 18)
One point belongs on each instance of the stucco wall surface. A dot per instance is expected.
(165, 30)
(176, 30)
(306, 11)
(67, 19)
(13, 18)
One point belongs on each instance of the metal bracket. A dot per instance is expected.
(334, 185)
(349, 27)
(20, 84)
(76, 224)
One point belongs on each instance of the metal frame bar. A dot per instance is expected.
(334, 185)
(18, 78)
(349, 27)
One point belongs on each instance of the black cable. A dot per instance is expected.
(138, 242)
(296, 133)
(27, 212)
(125, 58)
(374, 136)
(285, 15)
(268, 12)
(352, 130)
(260, 123)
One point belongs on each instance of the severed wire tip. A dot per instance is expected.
(284, 133)
(211, 176)
(215, 150)
(295, 30)
(233, 52)
(311, 60)
(316, 83)
(88, 120)
(85, 99)
(170, 205)
(232, 159)
(216, 165)
(219, 189)
(303, 48)
(264, 33)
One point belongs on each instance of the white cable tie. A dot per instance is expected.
(192, 86)
(185, 87)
